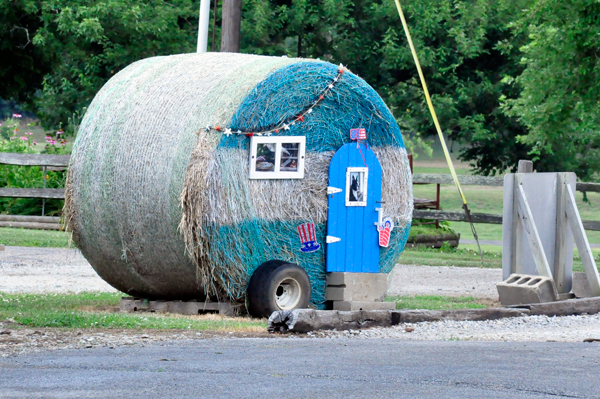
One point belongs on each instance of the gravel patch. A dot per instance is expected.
(15, 340)
(444, 280)
(60, 270)
(48, 270)
(522, 329)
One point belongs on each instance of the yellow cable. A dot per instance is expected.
(429, 103)
(438, 128)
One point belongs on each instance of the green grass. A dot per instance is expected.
(435, 302)
(468, 256)
(423, 256)
(34, 238)
(97, 310)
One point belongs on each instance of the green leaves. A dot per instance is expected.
(560, 86)
(509, 79)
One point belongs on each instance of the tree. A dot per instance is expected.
(560, 86)
(22, 65)
(465, 47)
(80, 44)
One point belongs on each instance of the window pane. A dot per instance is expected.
(265, 157)
(289, 157)
(357, 186)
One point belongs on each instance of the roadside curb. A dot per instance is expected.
(306, 320)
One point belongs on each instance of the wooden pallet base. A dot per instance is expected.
(193, 307)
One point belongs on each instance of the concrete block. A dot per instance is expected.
(361, 287)
(521, 289)
(581, 286)
(351, 306)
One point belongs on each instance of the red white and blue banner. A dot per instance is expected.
(308, 238)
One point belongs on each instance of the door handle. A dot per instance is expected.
(379, 216)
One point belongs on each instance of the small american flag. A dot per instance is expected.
(358, 134)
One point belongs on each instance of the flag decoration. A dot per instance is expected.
(308, 238)
(385, 229)
(358, 134)
(285, 125)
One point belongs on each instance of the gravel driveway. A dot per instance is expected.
(47, 270)
(59, 270)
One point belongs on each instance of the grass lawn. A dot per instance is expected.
(423, 256)
(435, 302)
(34, 238)
(98, 310)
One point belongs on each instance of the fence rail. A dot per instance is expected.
(30, 222)
(497, 181)
(8, 158)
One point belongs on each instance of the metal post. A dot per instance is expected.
(203, 26)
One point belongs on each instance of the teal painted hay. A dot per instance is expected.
(161, 208)
(285, 94)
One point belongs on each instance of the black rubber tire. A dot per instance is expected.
(262, 288)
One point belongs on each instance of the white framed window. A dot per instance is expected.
(280, 157)
(356, 186)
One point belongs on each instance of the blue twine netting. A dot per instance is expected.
(285, 93)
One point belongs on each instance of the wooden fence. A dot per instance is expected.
(62, 161)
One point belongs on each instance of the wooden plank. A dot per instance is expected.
(585, 252)
(568, 307)
(525, 166)
(456, 216)
(588, 187)
(516, 230)
(34, 159)
(34, 219)
(529, 230)
(49, 193)
(591, 225)
(560, 246)
(465, 180)
(31, 225)
(418, 316)
(495, 181)
(432, 214)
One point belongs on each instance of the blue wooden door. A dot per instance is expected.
(354, 193)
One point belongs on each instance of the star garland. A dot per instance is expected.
(227, 131)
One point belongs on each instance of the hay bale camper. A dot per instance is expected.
(211, 175)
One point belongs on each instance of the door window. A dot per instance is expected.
(356, 186)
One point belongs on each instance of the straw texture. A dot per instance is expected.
(162, 208)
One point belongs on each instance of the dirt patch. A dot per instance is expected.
(16, 340)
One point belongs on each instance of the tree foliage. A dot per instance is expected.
(507, 78)
(77, 45)
(559, 97)
(465, 47)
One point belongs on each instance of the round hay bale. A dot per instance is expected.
(162, 208)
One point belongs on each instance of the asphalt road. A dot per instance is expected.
(309, 368)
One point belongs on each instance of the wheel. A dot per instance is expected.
(277, 285)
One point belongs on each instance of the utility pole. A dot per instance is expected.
(230, 27)
(203, 26)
